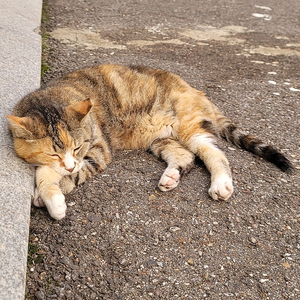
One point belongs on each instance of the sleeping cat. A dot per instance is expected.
(70, 127)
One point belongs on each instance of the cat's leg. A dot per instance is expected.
(179, 160)
(47, 181)
(204, 145)
(51, 186)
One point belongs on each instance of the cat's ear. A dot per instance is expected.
(80, 109)
(19, 127)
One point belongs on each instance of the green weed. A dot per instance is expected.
(45, 36)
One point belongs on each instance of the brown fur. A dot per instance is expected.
(70, 127)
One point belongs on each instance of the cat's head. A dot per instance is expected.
(52, 135)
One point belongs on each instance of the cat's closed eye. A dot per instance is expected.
(55, 156)
(76, 150)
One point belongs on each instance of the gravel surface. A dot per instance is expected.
(123, 238)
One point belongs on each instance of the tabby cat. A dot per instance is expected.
(70, 127)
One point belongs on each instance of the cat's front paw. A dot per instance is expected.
(37, 200)
(56, 206)
(221, 188)
(169, 179)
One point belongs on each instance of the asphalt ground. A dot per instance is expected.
(124, 239)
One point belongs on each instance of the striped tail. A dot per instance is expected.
(233, 134)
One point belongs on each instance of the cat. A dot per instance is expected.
(70, 127)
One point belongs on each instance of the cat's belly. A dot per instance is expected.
(141, 133)
(141, 138)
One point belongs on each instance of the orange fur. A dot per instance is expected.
(70, 128)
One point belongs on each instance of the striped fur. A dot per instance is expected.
(233, 134)
(70, 127)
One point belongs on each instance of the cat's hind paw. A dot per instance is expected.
(169, 179)
(57, 206)
(221, 188)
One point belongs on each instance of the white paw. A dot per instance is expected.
(221, 188)
(57, 206)
(169, 179)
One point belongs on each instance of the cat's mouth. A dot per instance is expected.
(69, 170)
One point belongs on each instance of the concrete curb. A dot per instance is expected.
(20, 65)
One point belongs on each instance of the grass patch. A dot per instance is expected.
(45, 48)
(34, 256)
(45, 37)
(32, 253)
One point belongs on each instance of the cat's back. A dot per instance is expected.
(119, 88)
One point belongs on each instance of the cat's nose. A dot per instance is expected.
(71, 169)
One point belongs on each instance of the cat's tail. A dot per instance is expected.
(232, 133)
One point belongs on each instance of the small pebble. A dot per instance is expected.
(286, 265)
(294, 90)
(39, 295)
(206, 275)
(174, 229)
(152, 197)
